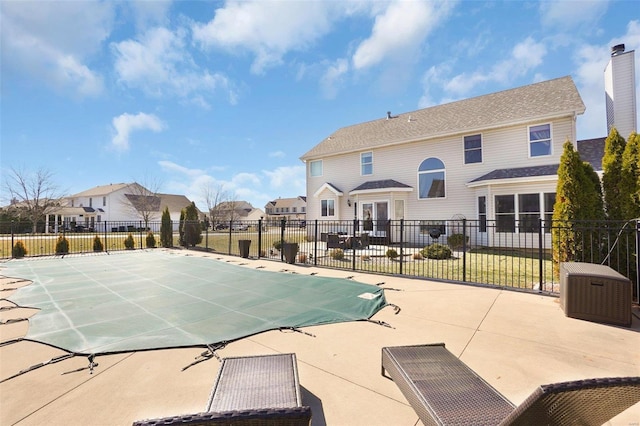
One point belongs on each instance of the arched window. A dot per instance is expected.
(431, 179)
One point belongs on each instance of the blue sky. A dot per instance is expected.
(194, 94)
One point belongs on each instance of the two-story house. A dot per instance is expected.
(291, 209)
(492, 157)
(123, 203)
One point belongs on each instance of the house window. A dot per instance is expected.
(482, 213)
(303, 209)
(90, 202)
(473, 149)
(540, 140)
(431, 179)
(549, 202)
(104, 201)
(366, 163)
(294, 209)
(529, 212)
(505, 213)
(315, 168)
(327, 207)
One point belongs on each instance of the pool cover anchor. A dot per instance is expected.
(295, 329)
(90, 367)
(207, 355)
(36, 366)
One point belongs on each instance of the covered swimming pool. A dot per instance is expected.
(155, 299)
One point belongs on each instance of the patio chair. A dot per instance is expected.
(334, 241)
(445, 391)
(254, 390)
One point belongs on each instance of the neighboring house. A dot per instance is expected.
(126, 203)
(493, 157)
(235, 211)
(287, 208)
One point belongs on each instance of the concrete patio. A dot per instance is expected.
(515, 341)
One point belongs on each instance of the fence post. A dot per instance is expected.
(259, 237)
(12, 237)
(401, 244)
(230, 232)
(637, 260)
(540, 254)
(353, 244)
(283, 223)
(140, 233)
(315, 243)
(464, 249)
(106, 242)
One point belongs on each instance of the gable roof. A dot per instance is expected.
(539, 101)
(102, 190)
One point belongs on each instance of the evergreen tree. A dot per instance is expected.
(192, 229)
(578, 198)
(630, 181)
(181, 229)
(614, 147)
(166, 229)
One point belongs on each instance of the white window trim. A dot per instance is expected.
(335, 203)
(362, 164)
(444, 170)
(464, 150)
(550, 140)
(321, 168)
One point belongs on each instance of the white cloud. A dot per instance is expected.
(158, 63)
(567, 15)
(126, 123)
(400, 30)
(334, 77)
(55, 51)
(525, 56)
(255, 188)
(267, 29)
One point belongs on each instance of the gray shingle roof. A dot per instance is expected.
(380, 184)
(552, 98)
(592, 151)
(519, 172)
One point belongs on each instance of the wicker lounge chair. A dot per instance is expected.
(255, 390)
(445, 391)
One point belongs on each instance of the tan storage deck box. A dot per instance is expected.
(595, 293)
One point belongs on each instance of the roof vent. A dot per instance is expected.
(617, 49)
(389, 116)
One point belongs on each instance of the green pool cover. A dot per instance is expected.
(154, 299)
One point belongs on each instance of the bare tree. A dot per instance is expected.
(214, 197)
(33, 195)
(143, 199)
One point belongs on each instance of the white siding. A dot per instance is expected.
(501, 148)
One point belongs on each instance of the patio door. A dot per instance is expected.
(374, 218)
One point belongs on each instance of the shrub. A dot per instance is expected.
(337, 254)
(436, 251)
(391, 254)
(62, 245)
(455, 241)
(97, 244)
(365, 257)
(151, 240)
(418, 256)
(129, 242)
(302, 257)
(19, 250)
(278, 245)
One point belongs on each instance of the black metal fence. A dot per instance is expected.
(511, 253)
